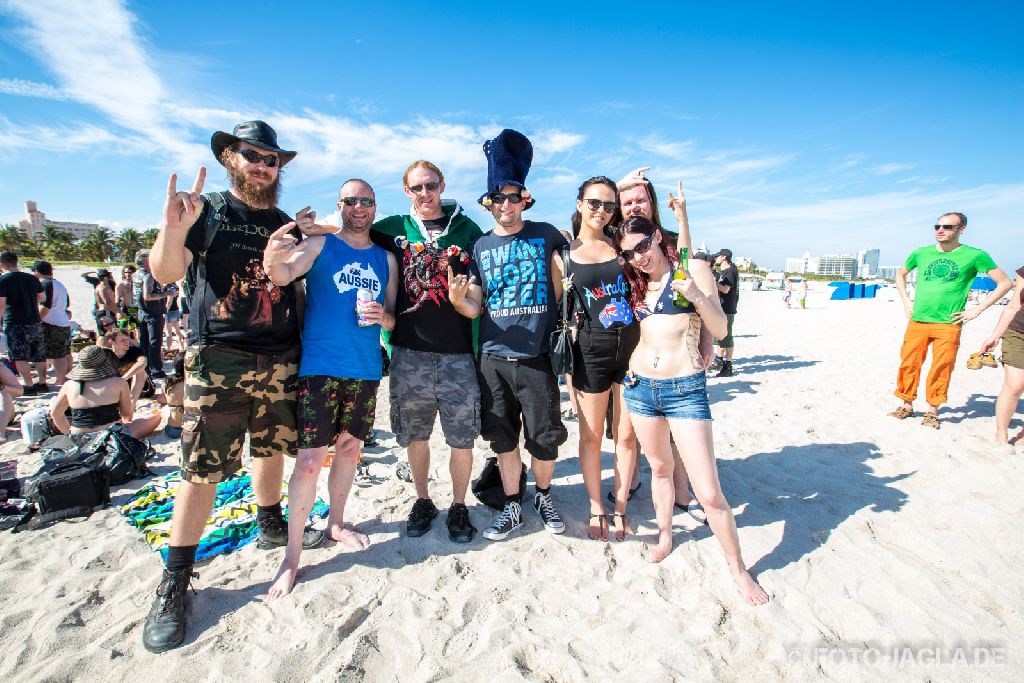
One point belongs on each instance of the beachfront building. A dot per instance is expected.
(838, 265)
(742, 261)
(802, 264)
(35, 221)
(867, 263)
(887, 272)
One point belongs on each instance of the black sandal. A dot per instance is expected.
(603, 526)
(625, 525)
(632, 492)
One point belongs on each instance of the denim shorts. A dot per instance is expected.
(680, 398)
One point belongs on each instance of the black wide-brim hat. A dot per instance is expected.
(256, 133)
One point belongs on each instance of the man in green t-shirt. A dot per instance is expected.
(945, 271)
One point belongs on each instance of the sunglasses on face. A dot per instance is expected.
(642, 247)
(499, 198)
(429, 187)
(596, 204)
(254, 157)
(362, 201)
(940, 226)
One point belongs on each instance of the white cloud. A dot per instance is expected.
(17, 86)
(889, 169)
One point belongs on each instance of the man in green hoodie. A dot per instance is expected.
(432, 350)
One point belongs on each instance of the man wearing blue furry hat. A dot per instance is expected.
(516, 300)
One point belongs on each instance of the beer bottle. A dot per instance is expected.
(678, 300)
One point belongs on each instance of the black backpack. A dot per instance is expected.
(70, 490)
(120, 454)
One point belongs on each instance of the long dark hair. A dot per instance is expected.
(638, 280)
(616, 217)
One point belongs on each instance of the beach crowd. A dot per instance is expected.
(275, 326)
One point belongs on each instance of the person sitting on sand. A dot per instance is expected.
(127, 358)
(10, 389)
(341, 363)
(1010, 331)
(665, 387)
(98, 398)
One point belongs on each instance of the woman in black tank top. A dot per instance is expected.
(606, 335)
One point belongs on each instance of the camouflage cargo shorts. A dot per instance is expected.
(227, 394)
(424, 383)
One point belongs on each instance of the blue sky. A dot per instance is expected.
(793, 128)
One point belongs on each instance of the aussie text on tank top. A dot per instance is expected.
(357, 276)
(517, 277)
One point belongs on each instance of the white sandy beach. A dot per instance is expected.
(866, 532)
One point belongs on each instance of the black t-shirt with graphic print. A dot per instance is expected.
(236, 305)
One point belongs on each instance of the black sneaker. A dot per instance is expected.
(40, 388)
(507, 521)
(28, 390)
(545, 507)
(421, 517)
(274, 534)
(726, 370)
(460, 529)
(716, 364)
(165, 626)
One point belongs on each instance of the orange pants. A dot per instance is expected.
(945, 340)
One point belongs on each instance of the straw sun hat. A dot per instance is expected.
(93, 363)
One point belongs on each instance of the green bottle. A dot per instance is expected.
(678, 300)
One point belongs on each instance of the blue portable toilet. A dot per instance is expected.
(858, 292)
(841, 291)
(870, 291)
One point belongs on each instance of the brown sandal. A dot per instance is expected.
(974, 362)
(989, 360)
(902, 413)
(930, 420)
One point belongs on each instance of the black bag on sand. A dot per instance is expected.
(71, 490)
(121, 454)
(560, 343)
(488, 488)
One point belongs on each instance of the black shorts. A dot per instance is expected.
(26, 342)
(328, 406)
(601, 357)
(521, 395)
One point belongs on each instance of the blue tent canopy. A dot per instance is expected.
(984, 283)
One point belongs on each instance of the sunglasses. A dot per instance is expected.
(642, 247)
(596, 204)
(429, 187)
(362, 201)
(498, 198)
(254, 157)
(940, 226)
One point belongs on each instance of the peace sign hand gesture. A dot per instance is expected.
(181, 209)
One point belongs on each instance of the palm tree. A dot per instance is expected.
(57, 244)
(10, 238)
(129, 243)
(98, 245)
(149, 237)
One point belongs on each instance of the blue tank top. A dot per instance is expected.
(332, 343)
(663, 305)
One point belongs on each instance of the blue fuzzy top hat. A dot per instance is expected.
(509, 157)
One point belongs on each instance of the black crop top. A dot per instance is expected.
(96, 416)
(664, 304)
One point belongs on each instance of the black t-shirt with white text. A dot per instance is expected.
(236, 305)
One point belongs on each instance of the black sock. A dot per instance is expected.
(544, 491)
(513, 498)
(180, 557)
(265, 511)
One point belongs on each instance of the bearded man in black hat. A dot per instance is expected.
(517, 301)
(241, 364)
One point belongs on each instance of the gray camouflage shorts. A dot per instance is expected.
(423, 384)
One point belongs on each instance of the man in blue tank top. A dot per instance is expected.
(341, 362)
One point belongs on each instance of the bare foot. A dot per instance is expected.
(350, 538)
(597, 530)
(659, 552)
(284, 581)
(752, 593)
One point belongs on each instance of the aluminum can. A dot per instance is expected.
(363, 296)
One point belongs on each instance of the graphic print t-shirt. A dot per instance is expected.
(944, 280)
(729, 276)
(424, 318)
(520, 310)
(236, 305)
(605, 293)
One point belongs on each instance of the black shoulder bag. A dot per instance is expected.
(562, 338)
